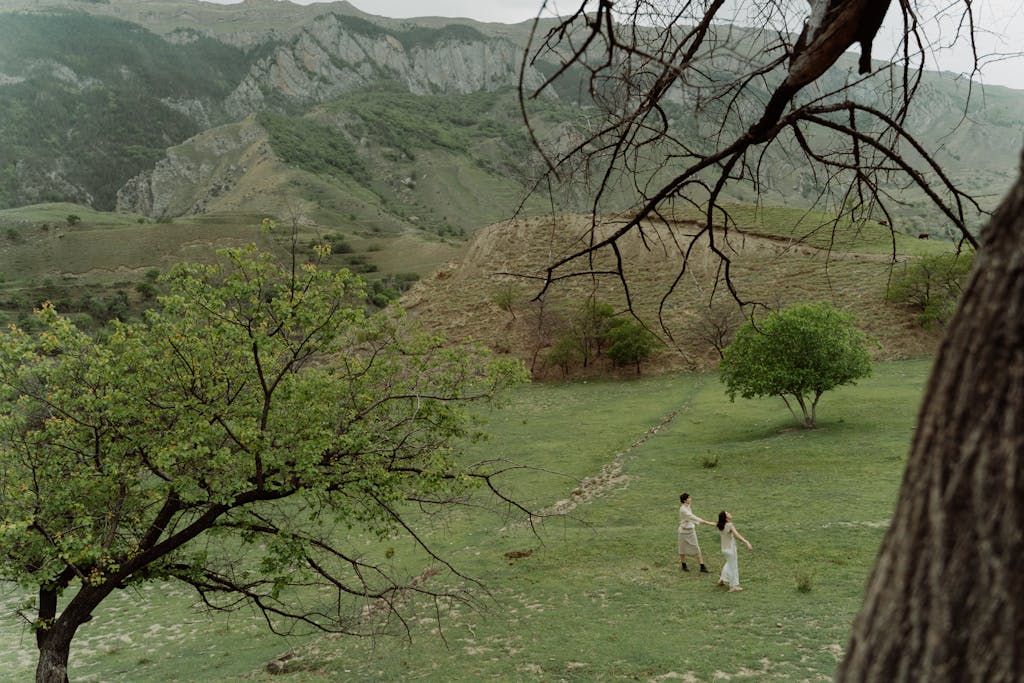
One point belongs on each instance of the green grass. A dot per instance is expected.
(821, 230)
(600, 597)
(57, 213)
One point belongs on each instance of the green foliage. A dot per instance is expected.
(629, 342)
(73, 219)
(505, 298)
(389, 289)
(337, 243)
(563, 353)
(590, 327)
(800, 352)
(313, 147)
(119, 452)
(398, 119)
(147, 290)
(932, 284)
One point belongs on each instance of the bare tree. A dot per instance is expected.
(943, 603)
(716, 324)
(676, 133)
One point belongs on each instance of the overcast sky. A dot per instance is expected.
(1002, 19)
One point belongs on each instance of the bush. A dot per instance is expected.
(931, 285)
(629, 342)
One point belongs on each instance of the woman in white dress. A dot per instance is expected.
(731, 571)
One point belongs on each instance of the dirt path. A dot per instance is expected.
(611, 477)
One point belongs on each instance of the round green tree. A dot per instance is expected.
(630, 342)
(798, 353)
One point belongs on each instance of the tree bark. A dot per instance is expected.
(54, 650)
(55, 633)
(945, 602)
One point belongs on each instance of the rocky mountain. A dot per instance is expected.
(94, 92)
(161, 108)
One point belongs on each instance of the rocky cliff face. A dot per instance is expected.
(333, 55)
(193, 173)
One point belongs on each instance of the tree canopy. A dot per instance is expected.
(258, 404)
(800, 353)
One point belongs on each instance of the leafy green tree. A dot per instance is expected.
(800, 353)
(630, 342)
(73, 219)
(226, 443)
(590, 327)
(563, 353)
(932, 285)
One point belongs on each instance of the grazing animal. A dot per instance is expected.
(922, 236)
(518, 554)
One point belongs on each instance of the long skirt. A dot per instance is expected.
(731, 570)
(688, 542)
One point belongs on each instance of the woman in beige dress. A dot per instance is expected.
(688, 544)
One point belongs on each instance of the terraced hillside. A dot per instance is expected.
(778, 257)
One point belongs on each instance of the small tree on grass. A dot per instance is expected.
(932, 285)
(590, 327)
(630, 342)
(563, 353)
(227, 443)
(797, 353)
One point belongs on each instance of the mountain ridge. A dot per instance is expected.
(173, 71)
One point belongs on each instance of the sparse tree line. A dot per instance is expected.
(586, 335)
(796, 353)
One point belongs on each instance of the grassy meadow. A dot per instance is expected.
(596, 594)
(104, 257)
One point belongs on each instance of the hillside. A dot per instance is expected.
(97, 100)
(183, 124)
(378, 160)
(777, 259)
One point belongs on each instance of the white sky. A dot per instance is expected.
(1002, 23)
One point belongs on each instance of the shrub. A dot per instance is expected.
(629, 342)
(932, 285)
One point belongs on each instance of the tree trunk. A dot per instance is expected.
(54, 649)
(54, 636)
(944, 602)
